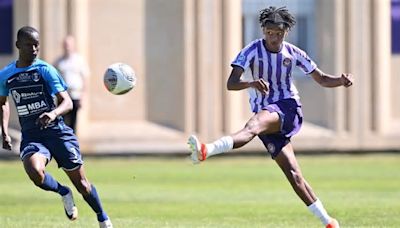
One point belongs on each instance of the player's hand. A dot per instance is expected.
(45, 119)
(7, 142)
(260, 85)
(347, 79)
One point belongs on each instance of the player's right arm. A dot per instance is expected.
(236, 83)
(5, 116)
(240, 64)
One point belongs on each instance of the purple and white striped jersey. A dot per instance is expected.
(275, 68)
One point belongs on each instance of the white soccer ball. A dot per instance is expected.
(119, 78)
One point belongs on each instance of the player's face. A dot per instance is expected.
(28, 47)
(274, 36)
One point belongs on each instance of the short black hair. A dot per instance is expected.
(26, 31)
(278, 16)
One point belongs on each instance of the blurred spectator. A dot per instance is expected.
(75, 72)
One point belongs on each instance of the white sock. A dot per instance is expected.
(221, 145)
(319, 211)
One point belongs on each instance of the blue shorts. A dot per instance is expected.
(61, 144)
(291, 115)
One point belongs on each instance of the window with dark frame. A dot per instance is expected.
(395, 13)
(6, 26)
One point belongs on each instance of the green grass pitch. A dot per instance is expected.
(360, 191)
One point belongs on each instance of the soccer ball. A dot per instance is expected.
(119, 78)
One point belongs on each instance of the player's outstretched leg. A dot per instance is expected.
(265, 122)
(201, 151)
(319, 211)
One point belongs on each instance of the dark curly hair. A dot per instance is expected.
(275, 15)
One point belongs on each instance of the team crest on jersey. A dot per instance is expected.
(287, 62)
(35, 76)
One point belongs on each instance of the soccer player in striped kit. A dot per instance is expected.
(33, 84)
(274, 99)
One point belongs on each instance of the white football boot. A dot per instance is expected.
(199, 150)
(333, 224)
(106, 224)
(69, 206)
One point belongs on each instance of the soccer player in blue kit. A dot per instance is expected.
(267, 63)
(33, 85)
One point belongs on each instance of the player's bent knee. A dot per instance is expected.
(249, 133)
(258, 125)
(252, 128)
(36, 176)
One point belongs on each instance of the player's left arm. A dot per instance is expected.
(327, 80)
(59, 89)
(64, 106)
(64, 103)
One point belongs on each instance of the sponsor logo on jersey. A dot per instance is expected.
(27, 93)
(16, 96)
(31, 95)
(22, 110)
(11, 79)
(32, 108)
(25, 77)
(25, 96)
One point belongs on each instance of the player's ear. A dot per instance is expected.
(17, 44)
(286, 32)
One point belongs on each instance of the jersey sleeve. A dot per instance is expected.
(245, 56)
(304, 61)
(3, 78)
(3, 88)
(53, 79)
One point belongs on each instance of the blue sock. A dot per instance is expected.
(50, 184)
(94, 202)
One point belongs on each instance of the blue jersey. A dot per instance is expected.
(33, 90)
